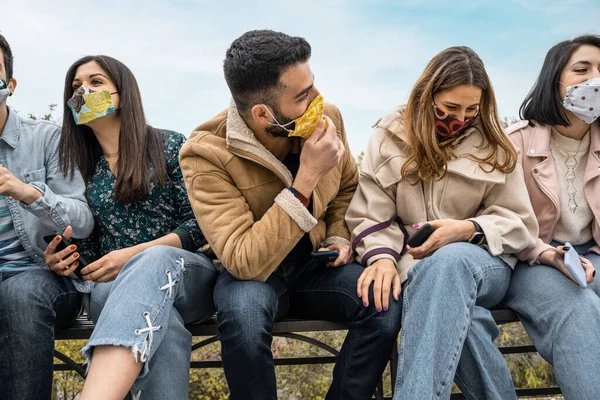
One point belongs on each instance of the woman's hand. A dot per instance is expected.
(107, 268)
(385, 279)
(445, 231)
(556, 258)
(346, 255)
(65, 261)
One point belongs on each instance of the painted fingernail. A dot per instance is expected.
(384, 308)
(365, 304)
(358, 294)
(76, 255)
(57, 239)
(378, 309)
(566, 248)
(72, 247)
(76, 264)
(594, 273)
(415, 225)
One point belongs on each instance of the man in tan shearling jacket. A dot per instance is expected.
(266, 198)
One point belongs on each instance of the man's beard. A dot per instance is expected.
(276, 130)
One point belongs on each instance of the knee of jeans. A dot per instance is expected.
(580, 314)
(247, 307)
(22, 303)
(452, 260)
(158, 256)
(388, 322)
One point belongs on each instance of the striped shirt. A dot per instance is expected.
(12, 254)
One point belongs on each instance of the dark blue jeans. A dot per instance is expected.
(247, 311)
(33, 304)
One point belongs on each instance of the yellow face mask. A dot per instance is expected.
(306, 124)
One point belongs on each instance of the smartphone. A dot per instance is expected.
(323, 257)
(64, 243)
(573, 264)
(420, 236)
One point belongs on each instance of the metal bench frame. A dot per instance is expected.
(292, 328)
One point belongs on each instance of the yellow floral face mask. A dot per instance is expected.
(88, 105)
(306, 124)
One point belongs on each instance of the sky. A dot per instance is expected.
(366, 55)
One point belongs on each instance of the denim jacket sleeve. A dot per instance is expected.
(63, 198)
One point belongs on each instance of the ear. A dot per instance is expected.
(12, 85)
(260, 115)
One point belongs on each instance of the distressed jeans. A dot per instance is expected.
(448, 331)
(33, 305)
(146, 309)
(563, 322)
(247, 311)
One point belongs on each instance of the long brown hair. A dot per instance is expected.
(427, 158)
(141, 155)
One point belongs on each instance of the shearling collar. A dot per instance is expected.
(239, 136)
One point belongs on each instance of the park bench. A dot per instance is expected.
(294, 329)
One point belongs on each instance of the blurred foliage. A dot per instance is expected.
(308, 381)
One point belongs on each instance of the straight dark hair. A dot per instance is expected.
(543, 104)
(141, 154)
(254, 63)
(7, 57)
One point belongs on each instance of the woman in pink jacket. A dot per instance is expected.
(559, 139)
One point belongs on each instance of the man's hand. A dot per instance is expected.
(11, 186)
(556, 258)
(107, 268)
(346, 255)
(385, 279)
(445, 231)
(321, 152)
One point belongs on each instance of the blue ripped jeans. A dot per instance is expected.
(563, 322)
(448, 331)
(146, 308)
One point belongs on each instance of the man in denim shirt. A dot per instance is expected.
(35, 200)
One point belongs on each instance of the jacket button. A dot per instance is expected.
(535, 171)
(532, 151)
(53, 214)
(19, 228)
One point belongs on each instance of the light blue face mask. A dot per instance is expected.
(4, 91)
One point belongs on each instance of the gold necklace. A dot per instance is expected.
(564, 152)
(111, 155)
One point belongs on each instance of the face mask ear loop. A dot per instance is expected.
(277, 122)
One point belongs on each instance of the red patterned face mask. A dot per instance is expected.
(447, 126)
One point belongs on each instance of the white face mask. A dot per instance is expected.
(583, 100)
(4, 91)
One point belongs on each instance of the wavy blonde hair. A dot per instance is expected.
(427, 157)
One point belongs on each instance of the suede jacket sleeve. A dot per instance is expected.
(337, 230)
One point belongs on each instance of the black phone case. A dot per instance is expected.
(64, 243)
(420, 236)
(325, 256)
